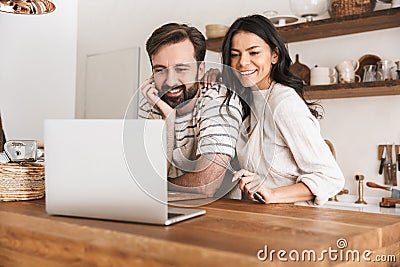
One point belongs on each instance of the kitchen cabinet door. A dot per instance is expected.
(112, 79)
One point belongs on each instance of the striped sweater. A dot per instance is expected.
(211, 127)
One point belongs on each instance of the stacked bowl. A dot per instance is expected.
(216, 30)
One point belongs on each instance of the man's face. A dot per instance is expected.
(176, 73)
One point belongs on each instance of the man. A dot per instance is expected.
(202, 129)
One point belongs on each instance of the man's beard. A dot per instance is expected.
(182, 99)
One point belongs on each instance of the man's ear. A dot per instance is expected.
(201, 70)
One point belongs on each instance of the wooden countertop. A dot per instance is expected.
(230, 234)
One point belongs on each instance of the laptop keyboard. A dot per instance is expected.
(173, 215)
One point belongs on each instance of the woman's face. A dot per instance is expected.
(253, 58)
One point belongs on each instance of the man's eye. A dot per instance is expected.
(180, 69)
(158, 70)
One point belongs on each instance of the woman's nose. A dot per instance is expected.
(244, 60)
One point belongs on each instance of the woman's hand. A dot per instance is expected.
(250, 183)
(150, 92)
(211, 77)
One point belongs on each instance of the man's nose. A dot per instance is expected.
(171, 78)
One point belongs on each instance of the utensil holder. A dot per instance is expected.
(390, 160)
(390, 174)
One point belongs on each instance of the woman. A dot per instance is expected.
(280, 149)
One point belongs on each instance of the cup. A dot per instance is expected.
(348, 65)
(384, 70)
(323, 76)
(395, 3)
(348, 76)
(369, 73)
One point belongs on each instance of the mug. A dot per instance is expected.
(369, 73)
(323, 76)
(348, 77)
(348, 65)
(395, 3)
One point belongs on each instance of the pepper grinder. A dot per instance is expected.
(360, 179)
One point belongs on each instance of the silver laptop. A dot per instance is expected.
(109, 169)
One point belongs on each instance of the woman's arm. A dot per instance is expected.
(251, 183)
(318, 169)
(287, 194)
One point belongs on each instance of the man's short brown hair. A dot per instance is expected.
(173, 33)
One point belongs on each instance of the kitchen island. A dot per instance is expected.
(232, 233)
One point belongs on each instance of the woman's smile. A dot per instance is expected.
(247, 72)
(253, 58)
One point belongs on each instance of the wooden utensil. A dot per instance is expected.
(395, 192)
(389, 202)
(374, 185)
(301, 70)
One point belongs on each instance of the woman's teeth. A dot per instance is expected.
(247, 72)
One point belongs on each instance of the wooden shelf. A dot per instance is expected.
(381, 88)
(377, 20)
(370, 21)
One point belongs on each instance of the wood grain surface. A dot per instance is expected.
(230, 234)
(347, 90)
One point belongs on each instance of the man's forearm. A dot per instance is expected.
(196, 179)
(208, 189)
(170, 125)
(207, 180)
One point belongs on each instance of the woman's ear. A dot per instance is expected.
(275, 55)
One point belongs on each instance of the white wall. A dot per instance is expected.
(357, 125)
(47, 61)
(37, 69)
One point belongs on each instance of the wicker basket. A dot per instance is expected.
(21, 181)
(342, 8)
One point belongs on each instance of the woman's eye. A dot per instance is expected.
(254, 53)
(234, 55)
